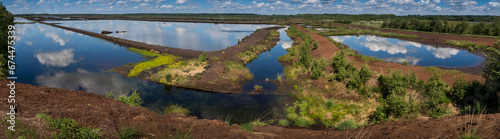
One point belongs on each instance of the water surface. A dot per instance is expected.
(195, 36)
(395, 50)
(53, 57)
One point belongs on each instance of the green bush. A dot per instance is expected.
(435, 93)
(257, 88)
(364, 73)
(459, 89)
(302, 122)
(68, 128)
(133, 100)
(317, 70)
(203, 57)
(315, 45)
(176, 109)
(248, 126)
(395, 106)
(379, 115)
(346, 125)
(305, 55)
(125, 133)
(283, 122)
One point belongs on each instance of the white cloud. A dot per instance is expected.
(166, 6)
(78, 2)
(41, 2)
(401, 2)
(410, 59)
(20, 1)
(181, 1)
(160, 1)
(66, 5)
(120, 2)
(144, 4)
(58, 59)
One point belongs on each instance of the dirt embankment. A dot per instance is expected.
(94, 110)
(382, 67)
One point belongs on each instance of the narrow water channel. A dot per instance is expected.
(53, 57)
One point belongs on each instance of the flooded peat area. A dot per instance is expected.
(53, 57)
(399, 51)
(194, 36)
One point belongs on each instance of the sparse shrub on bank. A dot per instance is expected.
(176, 109)
(203, 57)
(69, 128)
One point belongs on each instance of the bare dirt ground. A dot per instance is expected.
(97, 111)
(381, 67)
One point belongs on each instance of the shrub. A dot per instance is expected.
(203, 57)
(315, 45)
(283, 122)
(338, 61)
(247, 126)
(459, 89)
(168, 77)
(292, 116)
(132, 100)
(317, 71)
(110, 95)
(365, 74)
(405, 63)
(302, 122)
(435, 92)
(125, 133)
(305, 55)
(395, 106)
(176, 109)
(258, 88)
(346, 125)
(68, 128)
(379, 115)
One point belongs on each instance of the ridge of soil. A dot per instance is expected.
(94, 110)
(381, 66)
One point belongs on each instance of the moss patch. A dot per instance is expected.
(158, 61)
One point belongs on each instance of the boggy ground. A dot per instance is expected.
(94, 110)
(381, 66)
(213, 76)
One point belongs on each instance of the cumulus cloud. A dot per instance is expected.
(442, 52)
(98, 83)
(58, 59)
(410, 59)
(166, 6)
(181, 1)
(375, 43)
(78, 2)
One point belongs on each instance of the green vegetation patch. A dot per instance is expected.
(146, 65)
(143, 53)
(69, 128)
(176, 109)
(133, 100)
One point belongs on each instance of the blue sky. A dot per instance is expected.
(399, 7)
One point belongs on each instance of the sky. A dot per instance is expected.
(398, 7)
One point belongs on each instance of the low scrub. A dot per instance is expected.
(133, 100)
(68, 128)
(176, 109)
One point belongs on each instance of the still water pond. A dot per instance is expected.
(53, 57)
(395, 50)
(195, 36)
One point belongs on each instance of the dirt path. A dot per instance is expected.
(97, 111)
(382, 67)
